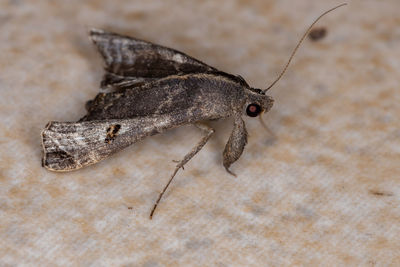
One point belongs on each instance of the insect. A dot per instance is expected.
(153, 89)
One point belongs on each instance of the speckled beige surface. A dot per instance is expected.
(325, 192)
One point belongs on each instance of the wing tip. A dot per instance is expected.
(95, 34)
(54, 158)
(96, 31)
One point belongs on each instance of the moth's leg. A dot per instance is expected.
(208, 132)
(236, 143)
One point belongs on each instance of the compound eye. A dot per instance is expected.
(253, 110)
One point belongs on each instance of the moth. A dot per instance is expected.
(151, 89)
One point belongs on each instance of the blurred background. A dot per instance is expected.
(325, 191)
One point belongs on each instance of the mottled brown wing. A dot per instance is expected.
(69, 146)
(184, 94)
(130, 61)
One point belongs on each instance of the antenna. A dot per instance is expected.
(299, 43)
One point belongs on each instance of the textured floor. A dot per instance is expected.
(325, 192)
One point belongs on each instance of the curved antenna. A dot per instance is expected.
(299, 43)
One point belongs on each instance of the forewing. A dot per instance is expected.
(190, 95)
(138, 61)
(69, 146)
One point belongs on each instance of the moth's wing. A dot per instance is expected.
(134, 61)
(185, 94)
(120, 83)
(69, 146)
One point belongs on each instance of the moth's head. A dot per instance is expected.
(257, 102)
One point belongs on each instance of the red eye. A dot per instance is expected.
(253, 110)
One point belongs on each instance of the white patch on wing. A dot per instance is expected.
(178, 58)
(128, 55)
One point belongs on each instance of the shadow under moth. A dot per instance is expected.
(150, 89)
